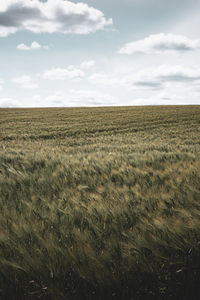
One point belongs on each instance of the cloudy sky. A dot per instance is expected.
(99, 52)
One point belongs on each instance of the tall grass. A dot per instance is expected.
(100, 203)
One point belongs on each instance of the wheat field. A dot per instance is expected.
(100, 203)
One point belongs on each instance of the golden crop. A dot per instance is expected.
(100, 203)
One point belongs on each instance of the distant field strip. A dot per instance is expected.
(100, 203)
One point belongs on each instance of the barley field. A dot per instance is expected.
(100, 203)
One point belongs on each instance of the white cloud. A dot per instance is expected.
(107, 80)
(87, 64)
(25, 82)
(5, 31)
(75, 98)
(138, 80)
(177, 73)
(157, 78)
(1, 82)
(150, 79)
(141, 80)
(71, 72)
(49, 17)
(166, 98)
(62, 74)
(161, 43)
(33, 46)
(9, 102)
(91, 98)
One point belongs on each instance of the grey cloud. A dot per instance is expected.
(158, 78)
(50, 16)
(73, 20)
(169, 47)
(178, 78)
(148, 84)
(16, 15)
(161, 43)
(167, 73)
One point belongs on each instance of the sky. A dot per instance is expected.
(59, 53)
